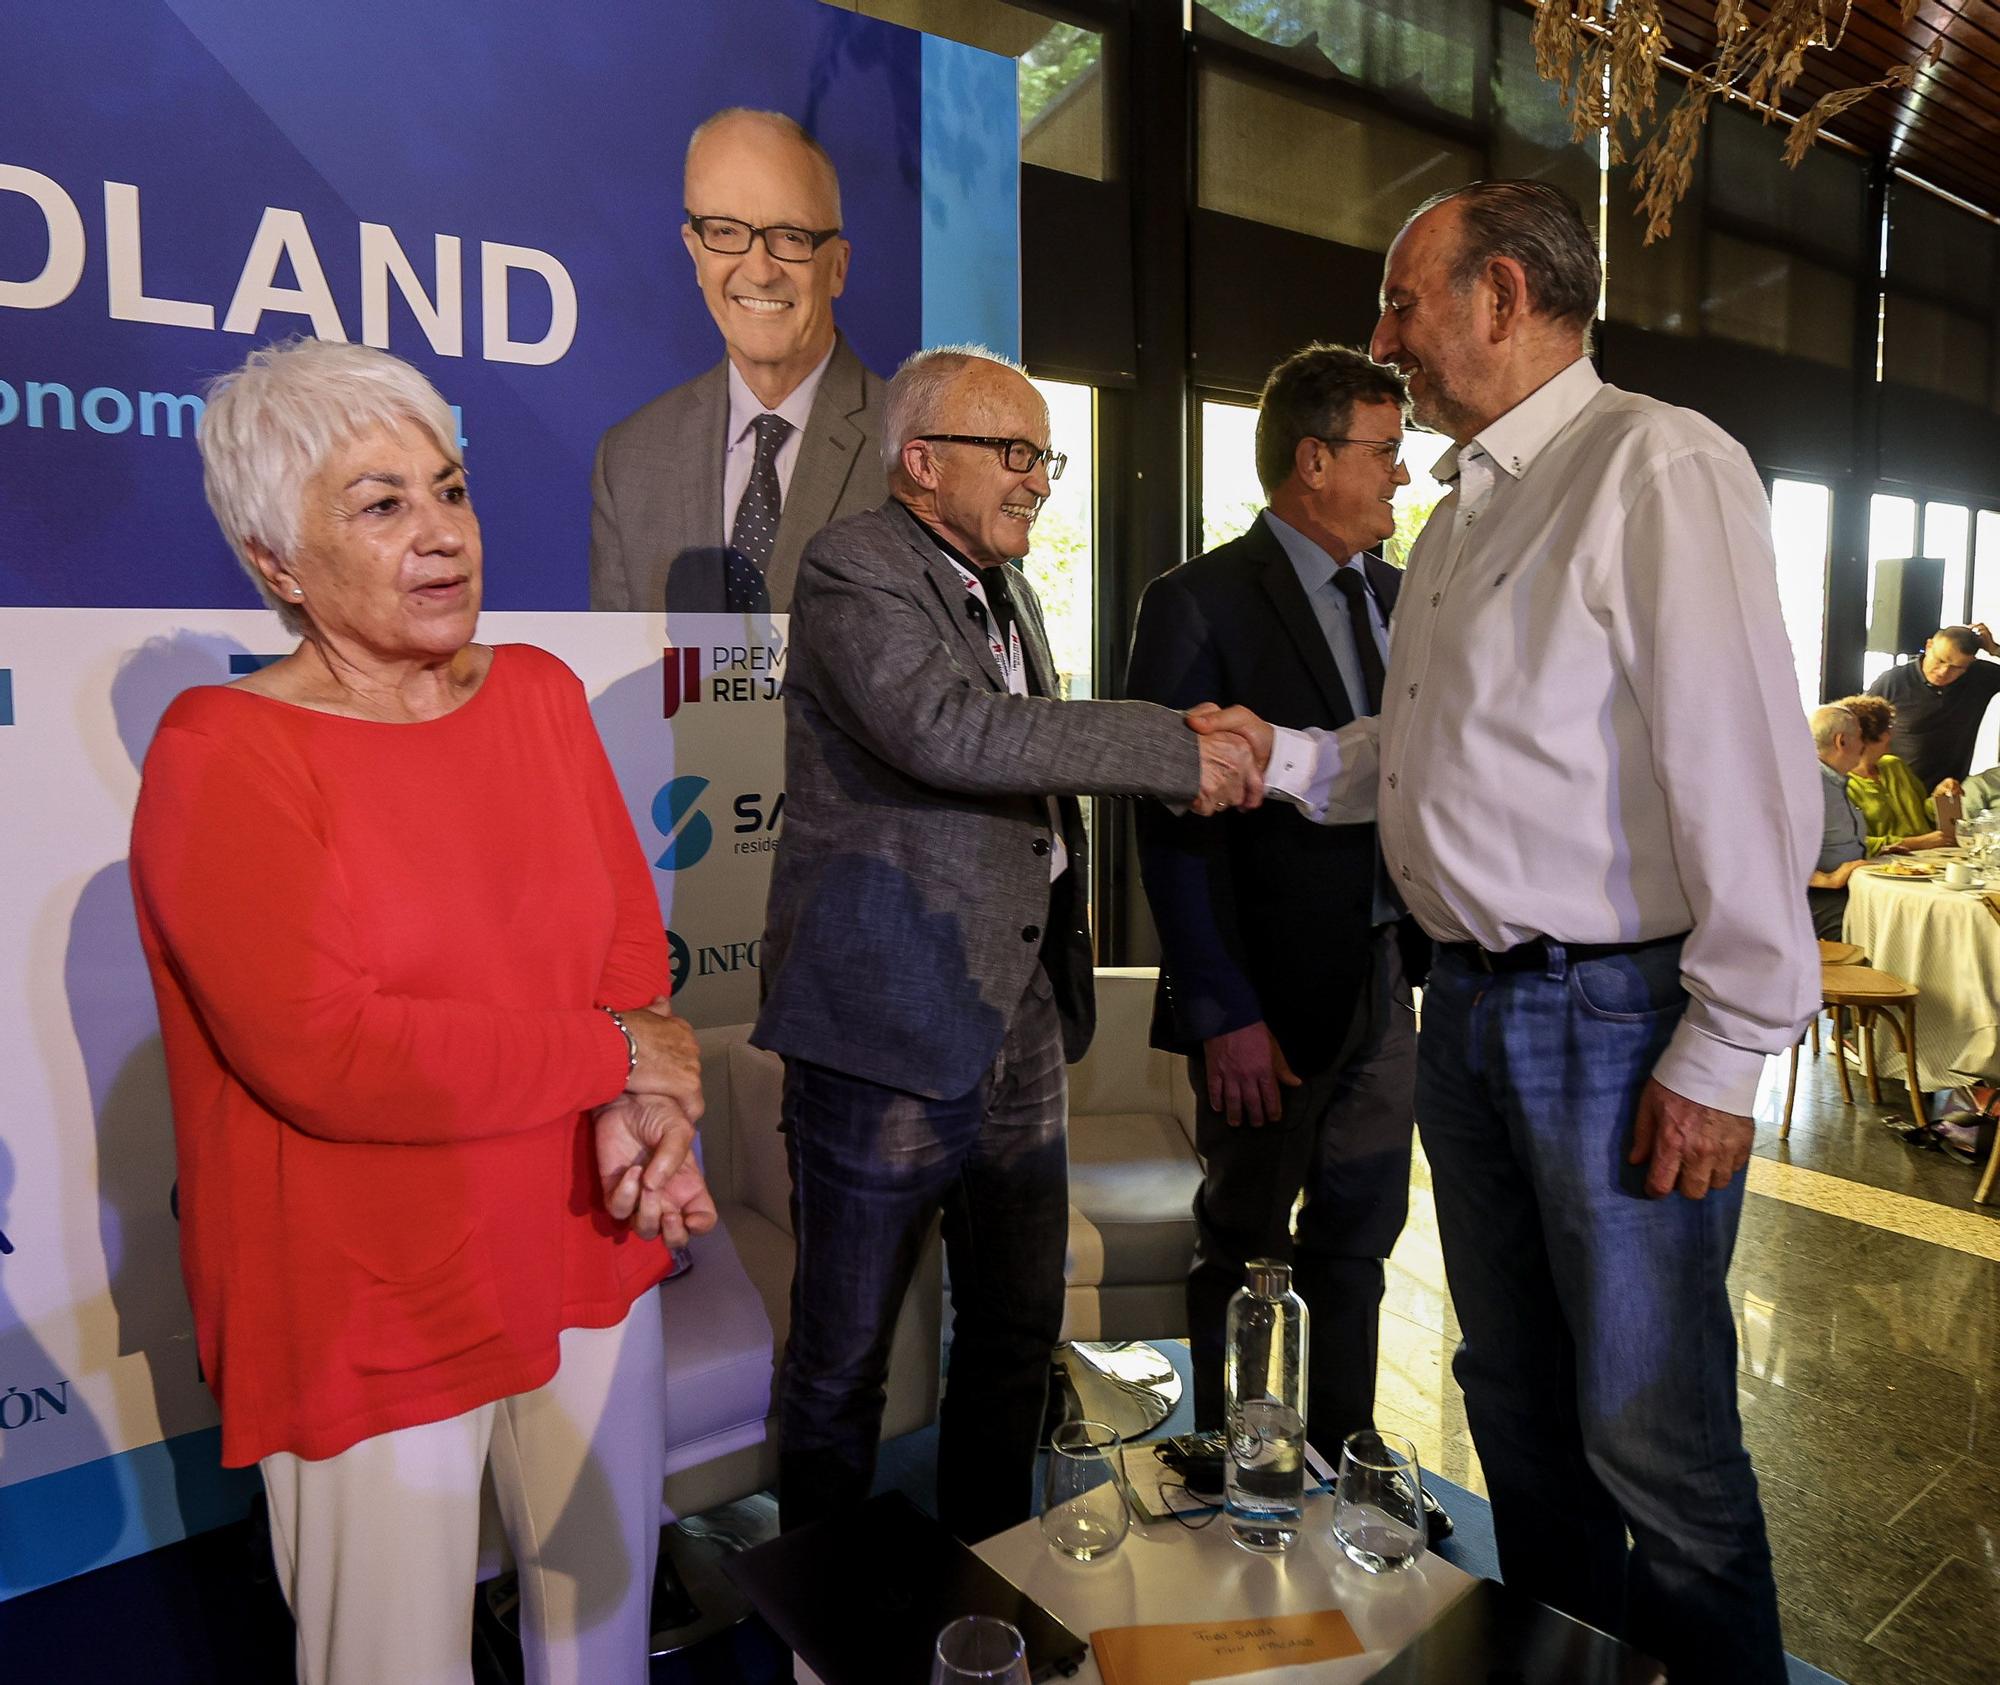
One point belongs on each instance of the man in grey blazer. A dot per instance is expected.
(702, 501)
(926, 963)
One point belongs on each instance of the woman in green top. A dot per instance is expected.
(1899, 816)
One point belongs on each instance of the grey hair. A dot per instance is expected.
(271, 425)
(918, 389)
(1542, 229)
(1831, 721)
(791, 127)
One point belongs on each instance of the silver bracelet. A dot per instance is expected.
(631, 1043)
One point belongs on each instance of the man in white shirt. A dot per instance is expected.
(1598, 797)
(704, 500)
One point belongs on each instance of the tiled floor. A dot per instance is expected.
(1869, 1375)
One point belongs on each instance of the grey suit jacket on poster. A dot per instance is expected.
(912, 879)
(656, 538)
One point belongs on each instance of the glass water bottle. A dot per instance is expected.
(1263, 1381)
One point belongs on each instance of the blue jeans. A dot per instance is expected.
(872, 1168)
(1599, 1350)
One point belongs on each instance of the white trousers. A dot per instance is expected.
(377, 1548)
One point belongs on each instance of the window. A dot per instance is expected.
(1767, 296)
(1341, 173)
(1947, 534)
(1801, 528)
(1231, 496)
(1892, 531)
(1986, 569)
(1986, 612)
(1936, 349)
(1060, 76)
(1420, 51)
(1061, 564)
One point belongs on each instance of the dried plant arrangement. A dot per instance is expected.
(1606, 57)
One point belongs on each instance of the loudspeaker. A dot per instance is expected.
(1909, 598)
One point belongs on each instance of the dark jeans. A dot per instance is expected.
(1344, 1143)
(872, 1167)
(1599, 1351)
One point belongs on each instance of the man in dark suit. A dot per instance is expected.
(927, 965)
(1287, 962)
(703, 501)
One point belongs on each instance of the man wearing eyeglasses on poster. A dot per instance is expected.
(702, 501)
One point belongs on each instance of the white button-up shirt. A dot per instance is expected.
(739, 447)
(1591, 730)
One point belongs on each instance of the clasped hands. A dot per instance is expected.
(1235, 750)
(644, 1139)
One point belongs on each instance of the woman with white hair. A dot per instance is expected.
(431, 1112)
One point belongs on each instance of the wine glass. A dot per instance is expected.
(1378, 1503)
(980, 1650)
(1084, 1512)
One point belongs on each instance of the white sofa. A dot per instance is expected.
(1132, 1174)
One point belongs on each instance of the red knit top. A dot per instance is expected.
(378, 951)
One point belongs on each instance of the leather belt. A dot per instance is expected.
(1533, 955)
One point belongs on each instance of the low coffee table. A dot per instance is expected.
(1166, 1574)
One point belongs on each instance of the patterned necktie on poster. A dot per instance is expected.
(755, 528)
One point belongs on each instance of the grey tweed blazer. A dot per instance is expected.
(656, 538)
(912, 879)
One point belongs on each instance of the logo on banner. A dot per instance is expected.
(736, 673)
(22, 1407)
(690, 833)
(682, 680)
(686, 828)
(717, 959)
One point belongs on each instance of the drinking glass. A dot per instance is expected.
(980, 1650)
(1378, 1502)
(1084, 1513)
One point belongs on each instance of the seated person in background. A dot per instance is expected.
(1843, 843)
(1940, 700)
(1978, 794)
(1899, 817)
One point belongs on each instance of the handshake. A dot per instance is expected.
(644, 1139)
(1235, 750)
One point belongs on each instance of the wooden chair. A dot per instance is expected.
(1830, 953)
(1870, 994)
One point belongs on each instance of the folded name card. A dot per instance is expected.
(1177, 1655)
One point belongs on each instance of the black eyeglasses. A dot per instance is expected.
(1388, 452)
(1020, 455)
(733, 237)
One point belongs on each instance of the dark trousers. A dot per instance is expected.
(872, 1168)
(1344, 1143)
(1829, 912)
(1599, 1351)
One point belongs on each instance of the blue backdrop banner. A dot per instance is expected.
(491, 191)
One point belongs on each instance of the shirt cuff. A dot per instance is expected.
(1709, 1072)
(1292, 763)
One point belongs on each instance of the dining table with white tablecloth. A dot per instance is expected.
(1947, 942)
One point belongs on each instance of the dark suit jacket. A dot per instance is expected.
(1261, 914)
(656, 537)
(910, 902)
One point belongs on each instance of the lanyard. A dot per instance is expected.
(1013, 668)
